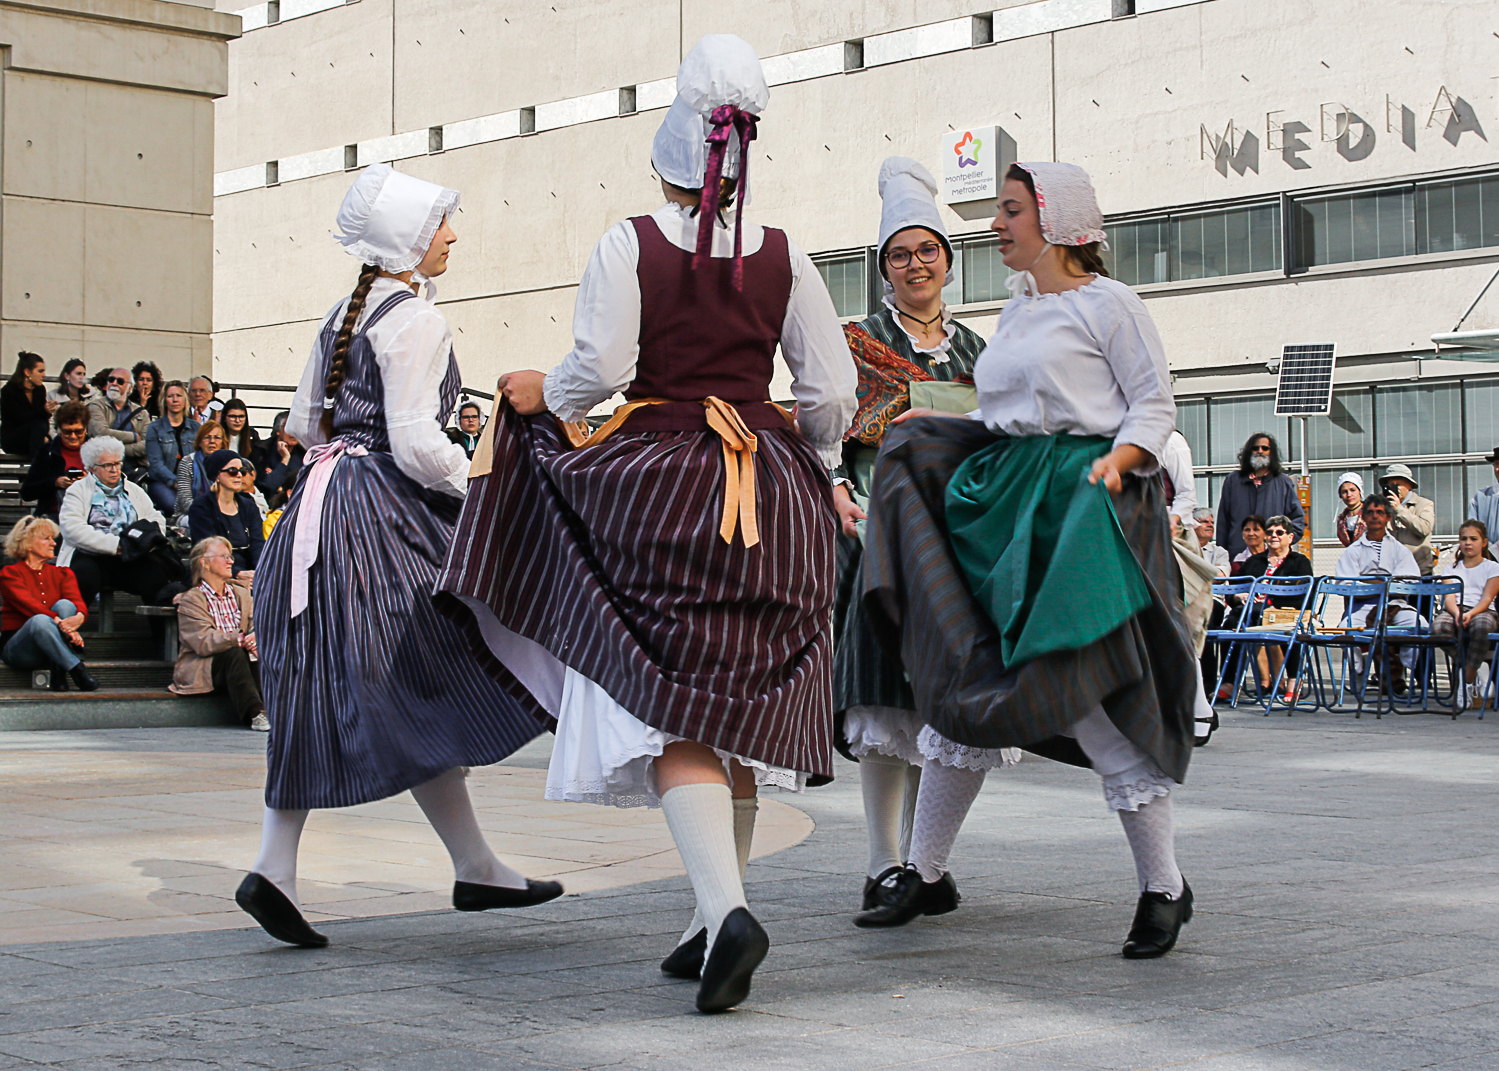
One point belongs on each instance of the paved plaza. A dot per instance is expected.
(1346, 876)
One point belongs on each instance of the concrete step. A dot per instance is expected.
(112, 675)
(124, 709)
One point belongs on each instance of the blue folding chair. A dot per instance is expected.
(1228, 640)
(1349, 677)
(1424, 595)
(1296, 590)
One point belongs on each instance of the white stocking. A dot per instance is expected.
(1152, 837)
(280, 833)
(947, 792)
(908, 810)
(444, 800)
(882, 782)
(744, 832)
(701, 820)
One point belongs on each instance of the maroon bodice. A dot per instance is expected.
(699, 337)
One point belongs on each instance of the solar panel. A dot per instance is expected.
(1305, 387)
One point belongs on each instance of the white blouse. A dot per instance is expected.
(606, 331)
(411, 342)
(1083, 362)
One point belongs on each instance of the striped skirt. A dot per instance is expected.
(918, 599)
(370, 691)
(609, 558)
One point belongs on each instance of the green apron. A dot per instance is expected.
(1041, 547)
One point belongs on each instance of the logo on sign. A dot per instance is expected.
(968, 150)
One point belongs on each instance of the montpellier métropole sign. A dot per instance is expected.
(974, 162)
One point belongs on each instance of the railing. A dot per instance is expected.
(255, 397)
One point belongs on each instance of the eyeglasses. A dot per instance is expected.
(116, 379)
(1277, 532)
(1262, 448)
(927, 253)
(233, 470)
(107, 465)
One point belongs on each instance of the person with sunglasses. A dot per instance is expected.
(226, 510)
(908, 353)
(1277, 559)
(112, 414)
(1259, 489)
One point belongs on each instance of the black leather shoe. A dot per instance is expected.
(875, 887)
(59, 679)
(905, 896)
(471, 896)
(686, 960)
(1158, 920)
(1212, 724)
(738, 949)
(277, 915)
(83, 678)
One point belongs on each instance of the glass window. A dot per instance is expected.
(1233, 241)
(1420, 419)
(1346, 431)
(1463, 214)
(1202, 485)
(1481, 414)
(1138, 252)
(1369, 225)
(1192, 422)
(1443, 484)
(844, 277)
(1236, 418)
(984, 273)
(1480, 474)
(952, 293)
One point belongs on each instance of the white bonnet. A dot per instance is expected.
(1066, 203)
(1353, 478)
(388, 218)
(720, 69)
(908, 198)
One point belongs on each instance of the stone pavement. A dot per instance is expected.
(1346, 876)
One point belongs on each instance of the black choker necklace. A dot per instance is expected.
(918, 319)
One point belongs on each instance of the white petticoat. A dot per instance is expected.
(603, 753)
(884, 731)
(933, 745)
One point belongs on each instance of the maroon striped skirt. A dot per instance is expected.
(610, 557)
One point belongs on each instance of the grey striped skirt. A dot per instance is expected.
(920, 603)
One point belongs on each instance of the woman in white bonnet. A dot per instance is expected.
(369, 691)
(1006, 643)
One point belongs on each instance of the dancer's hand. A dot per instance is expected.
(848, 510)
(1117, 463)
(523, 391)
(912, 414)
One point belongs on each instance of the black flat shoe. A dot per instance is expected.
(275, 912)
(875, 888)
(471, 896)
(1158, 920)
(686, 960)
(1212, 724)
(83, 678)
(59, 679)
(905, 896)
(738, 949)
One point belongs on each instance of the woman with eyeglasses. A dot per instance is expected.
(193, 481)
(243, 439)
(227, 510)
(96, 511)
(58, 465)
(911, 352)
(1277, 559)
(1258, 488)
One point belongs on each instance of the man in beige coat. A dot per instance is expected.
(1412, 518)
(216, 626)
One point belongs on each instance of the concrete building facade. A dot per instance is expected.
(106, 199)
(1273, 172)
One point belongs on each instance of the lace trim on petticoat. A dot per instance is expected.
(938, 748)
(1135, 787)
(883, 730)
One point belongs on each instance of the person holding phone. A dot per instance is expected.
(1412, 517)
(58, 465)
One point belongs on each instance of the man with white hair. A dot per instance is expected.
(111, 413)
(95, 511)
(201, 403)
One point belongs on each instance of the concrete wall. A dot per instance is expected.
(106, 170)
(1130, 99)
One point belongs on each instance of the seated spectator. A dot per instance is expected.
(112, 414)
(1412, 517)
(74, 385)
(202, 405)
(1277, 559)
(169, 439)
(192, 477)
(279, 463)
(216, 629)
(1217, 557)
(58, 466)
(1252, 535)
(25, 410)
(147, 390)
(43, 609)
(1475, 614)
(94, 512)
(1350, 520)
(1377, 553)
(470, 423)
(242, 439)
(227, 512)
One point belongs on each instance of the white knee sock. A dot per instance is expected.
(701, 820)
(882, 782)
(444, 800)
(280, 833)
(908, 810)
(947, 792)
(1152, 837)
(744, 832)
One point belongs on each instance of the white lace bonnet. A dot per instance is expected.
(721, 69)
(388, 218)
(1066, 203)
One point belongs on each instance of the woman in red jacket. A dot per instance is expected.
(43, 609)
